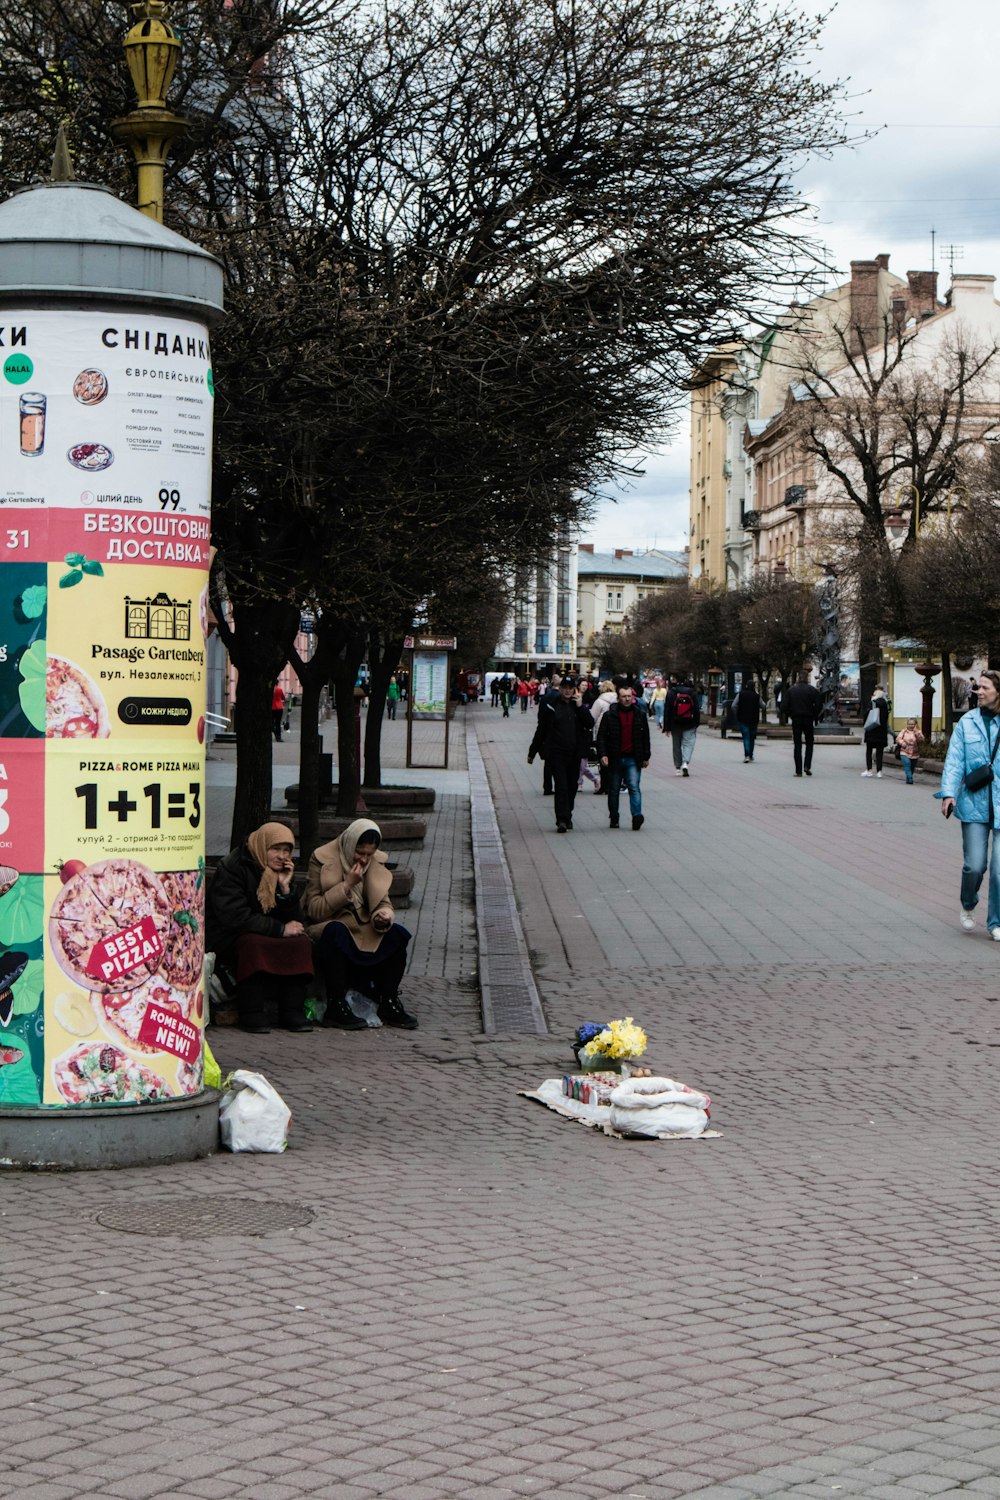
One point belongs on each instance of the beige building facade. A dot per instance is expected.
(610, 584)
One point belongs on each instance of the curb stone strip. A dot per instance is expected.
(510, 1000)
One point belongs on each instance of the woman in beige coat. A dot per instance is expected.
(359, 944)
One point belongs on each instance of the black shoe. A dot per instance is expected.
(391, 1013)
(569, 822)
(614, 822)
(298, 1026)
(339, 1013)
(260, 1030)
(561, 827)
(598, 792)
(798, 773)
(808, 773)
(637, 822)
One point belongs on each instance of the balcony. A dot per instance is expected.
(795, 497)
(751, 520)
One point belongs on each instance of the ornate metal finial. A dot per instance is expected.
(62, 162)
(152, 48)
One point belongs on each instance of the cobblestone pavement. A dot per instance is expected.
(490, 1301)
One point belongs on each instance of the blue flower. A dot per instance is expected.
(589, 1030)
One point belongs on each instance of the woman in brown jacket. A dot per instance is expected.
(359, 944)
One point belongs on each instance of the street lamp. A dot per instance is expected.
(896, 524)
(152, 48)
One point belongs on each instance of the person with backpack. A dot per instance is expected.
(681, 718)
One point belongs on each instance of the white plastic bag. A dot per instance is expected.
(659, 1107)
(252, 1114)
(364, 1008)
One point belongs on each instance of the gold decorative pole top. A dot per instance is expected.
(152, 48)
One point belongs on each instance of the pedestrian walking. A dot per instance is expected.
(659, 700)
(392, 696)
(876, 733)
(277, 710)
(623, 747)
(908, 743)
(804, 706)
(608, 694)
(507, 690)
(969, 789)
(494, 689)
(548, 692)
(563, 738)
(523, 693)
(681, 717)
(746, 711)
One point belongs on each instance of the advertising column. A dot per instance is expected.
(105, 461)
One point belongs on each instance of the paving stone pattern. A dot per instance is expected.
(493, 1302)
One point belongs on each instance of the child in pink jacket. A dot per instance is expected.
(909, 741)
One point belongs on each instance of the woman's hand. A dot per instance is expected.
(948, 806)
(293, 929)
(381, 921)
(285, 875)
(355, 875)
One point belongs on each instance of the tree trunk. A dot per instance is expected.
(309, 751)
(344, 675)
(313, 675)
(383, 662)
(252, 803)
(259, 645)
(947, 701)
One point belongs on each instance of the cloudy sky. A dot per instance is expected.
(926, 73)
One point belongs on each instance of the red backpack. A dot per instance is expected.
(684, 705)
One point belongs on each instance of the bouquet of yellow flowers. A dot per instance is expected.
(618, 1040)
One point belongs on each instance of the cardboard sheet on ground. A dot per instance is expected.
(597, 1116)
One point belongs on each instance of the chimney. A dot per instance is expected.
(898, 313)
(864, 327)
(619, 554)
(587, 547)
(922, 293)
(883, 261)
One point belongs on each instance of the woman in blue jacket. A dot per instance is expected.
(973, 745)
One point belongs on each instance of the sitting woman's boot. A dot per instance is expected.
(391, 1013)
(338, 1013)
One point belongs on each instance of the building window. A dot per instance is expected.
(520, 640)
(541, 640)
(618, 599)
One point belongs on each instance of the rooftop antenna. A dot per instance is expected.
(951, 253)
(933, 261)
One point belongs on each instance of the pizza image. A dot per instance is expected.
(90, 387)
(98, 1073)
(105, 899)
(91, 456)
(122, 1013)
(191, 1076)
(183, 960)
(74, 707)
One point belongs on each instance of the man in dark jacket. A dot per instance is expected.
(563, 739)
(548, 694)
(804, 705)
(681, 717)
(623, 746)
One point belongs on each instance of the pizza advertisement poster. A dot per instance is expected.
(105, 481)
(126, 652)
(123, 972)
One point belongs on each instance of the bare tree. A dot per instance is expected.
(891, 425)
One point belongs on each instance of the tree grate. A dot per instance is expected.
(205, 1218)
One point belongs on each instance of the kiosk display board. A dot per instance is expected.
(105, 468)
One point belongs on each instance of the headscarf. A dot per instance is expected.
(362, 830)
(259, 843)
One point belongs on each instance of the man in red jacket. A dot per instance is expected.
(277, 710)
(623, 746)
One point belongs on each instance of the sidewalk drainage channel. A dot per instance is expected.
(204, 1218)
(510, 1000)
